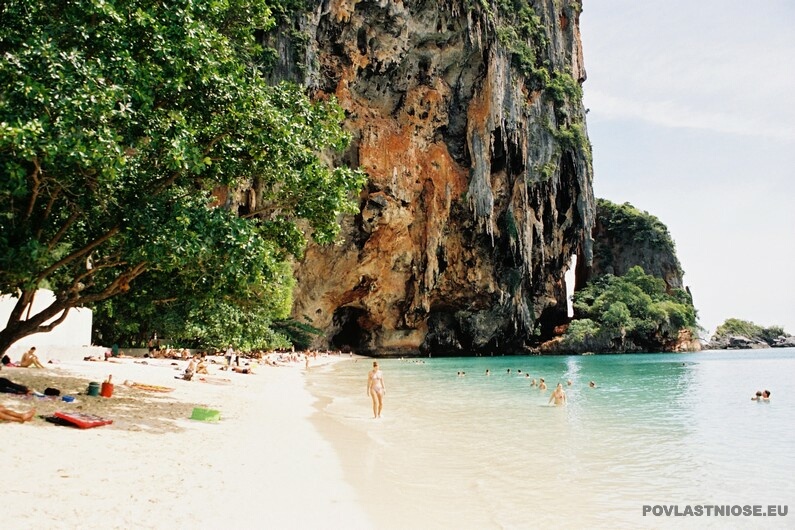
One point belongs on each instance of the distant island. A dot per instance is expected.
(736, 334)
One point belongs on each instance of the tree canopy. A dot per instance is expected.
(122, 126)
(633, 312)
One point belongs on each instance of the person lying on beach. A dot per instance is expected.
(9, 387)
(558, 395)
(248, 369)
(29, 358)
(7, 361)
(19, 417)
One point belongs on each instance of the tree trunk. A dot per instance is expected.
(19, 327)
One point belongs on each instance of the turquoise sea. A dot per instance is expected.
(479, 451)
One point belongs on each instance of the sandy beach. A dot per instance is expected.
(263, 464)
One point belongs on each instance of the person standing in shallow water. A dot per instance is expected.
(558, 395)
(376, 389)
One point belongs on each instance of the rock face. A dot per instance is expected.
(737, 342)
(468, 118)
(740, 342)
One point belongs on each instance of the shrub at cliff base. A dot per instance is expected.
(628, 313)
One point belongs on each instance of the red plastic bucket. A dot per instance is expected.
(107, 390)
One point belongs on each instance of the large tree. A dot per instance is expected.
(117, 124)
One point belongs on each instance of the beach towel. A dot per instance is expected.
(84, 421)
(151, 388)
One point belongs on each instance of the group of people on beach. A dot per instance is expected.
(28, 359)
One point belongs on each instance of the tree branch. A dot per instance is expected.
(119, 285)
(92, 271)
(77, 254)
(49, 327)
(53, 197)
(166, 183)
(57, 237)
(25, 298)
(34, 195)
(213, 142)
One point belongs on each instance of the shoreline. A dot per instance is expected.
(265, 461)
(360, 454)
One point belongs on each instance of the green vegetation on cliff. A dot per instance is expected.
(120, 127)
(625, 222)
(624, 226)
(633, 312)
(736, 327)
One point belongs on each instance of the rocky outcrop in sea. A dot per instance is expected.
(739, 342)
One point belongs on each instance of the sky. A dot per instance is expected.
(692, 119)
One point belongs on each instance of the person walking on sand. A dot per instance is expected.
(230, 354)
(376, 389)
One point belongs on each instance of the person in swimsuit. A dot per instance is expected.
(376, 389)
(558, 395)
(29, 358)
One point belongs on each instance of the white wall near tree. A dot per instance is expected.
(69, 340)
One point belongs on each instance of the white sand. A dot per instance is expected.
(263, 465)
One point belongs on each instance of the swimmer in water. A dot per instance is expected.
(542, 385)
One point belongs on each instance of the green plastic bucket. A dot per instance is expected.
(93, 389)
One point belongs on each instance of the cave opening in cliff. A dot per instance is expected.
(570, 282)
(351, 334)
(550, 322)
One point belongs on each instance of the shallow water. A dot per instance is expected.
(488, 451)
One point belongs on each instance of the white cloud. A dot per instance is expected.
(716, 65)
(679, 113)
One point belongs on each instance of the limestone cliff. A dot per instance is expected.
(467, 116)
(624, 237)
